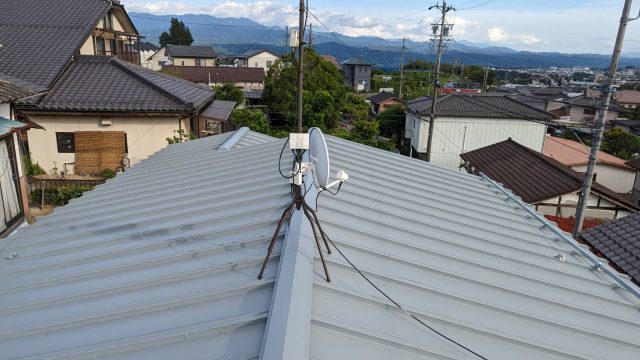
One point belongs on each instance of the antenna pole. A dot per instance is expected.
(311, 35)
(286, 40)
(300, 64)
(401, 69)
(602, 118)
(444, 32)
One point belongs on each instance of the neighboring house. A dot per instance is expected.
(618, 241)
(630, 126)
(635, 193)
(544, 98)
(119, 110)
(583, 110)
(384, 100)
(182, 55)
(13, 178)
(357, 74)
(257, 59)
(253, 98)
(105, 98)
(216, 119)
(628, 99)
(242, 78)
(610, 171)
(467, 122)
(547, 184)
(147, 49)
(162, 263)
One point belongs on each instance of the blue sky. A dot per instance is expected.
(579, 26)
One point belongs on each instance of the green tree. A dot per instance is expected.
(392, 123)
(324, 91)
(356, 108)
(254, 119)
(621, 144)
(179, 34)
(228, 92)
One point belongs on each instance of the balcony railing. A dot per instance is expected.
(128, 56)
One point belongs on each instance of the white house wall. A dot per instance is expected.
(145, 136)
(454, 136)
(261, 59)
(615, 178)
(5, 110)
(157, 58)
(572, 199)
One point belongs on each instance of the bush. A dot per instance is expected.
(33, 169)
(107, 174)
(59, 196)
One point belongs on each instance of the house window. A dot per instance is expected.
(269, 63)
(182, 62)
(161, 62)
(100, 47)
(589, 111)
(200, 62)
(106, 22)
(256, 65)
(66, 142)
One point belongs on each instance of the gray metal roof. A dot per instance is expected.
(193, 51)
(161, 262)
(219, 109)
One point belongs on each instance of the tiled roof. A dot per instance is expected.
(593, 102)
(634, 163)
(206, 74)
(252, 53)
(628, 96)
(93, 83)
(531, 175)
(10, 92)
(619, 241)
(147, 46)
(40, 37)
(175, 276)
(495, 106)
(572, 153)
(219, 109)
(356, 62)
(627, 123)
(382, 96)
(193, 51)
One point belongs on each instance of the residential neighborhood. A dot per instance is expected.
(225, 180)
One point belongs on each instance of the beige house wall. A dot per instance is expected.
(262, 60)
(615, 178)
(159, 56)
(145, 135)
(243, 85)
(5, 110)
(192, 62)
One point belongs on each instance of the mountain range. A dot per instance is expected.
(230, 36)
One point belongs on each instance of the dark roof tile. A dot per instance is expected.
(206, 74)
(497, 106)
(623, 254)
(191, 51)
(382, 96)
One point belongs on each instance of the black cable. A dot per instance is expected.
(297, 159)
(397, 304)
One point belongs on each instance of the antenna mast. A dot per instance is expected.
(602, 117)
(402, 69)
(444, 28)
(300, 64)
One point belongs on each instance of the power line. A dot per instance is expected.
(477, 6)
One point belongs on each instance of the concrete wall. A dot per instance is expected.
(145, 135)
(615, 178)
(454, 136)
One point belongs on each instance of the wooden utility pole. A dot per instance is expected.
(311, 36)
(401, 69)
(300, 64)
(601, 119)
(444, 32)
(485, 78)
(286, 40)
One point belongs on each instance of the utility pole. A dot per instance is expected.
(485, 78)
(444, 32)
(602, 116)
(300, 64)
(286, 40)
(311, 36)
(401, 69)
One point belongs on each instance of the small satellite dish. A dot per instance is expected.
(319, 157)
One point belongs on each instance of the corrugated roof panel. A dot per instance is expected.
(163, 264)
(462, 259)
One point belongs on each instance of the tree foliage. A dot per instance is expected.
(324, 91)
(254, 119)
(392, 123)
(179, 34)
(228, 92)
(621, 144)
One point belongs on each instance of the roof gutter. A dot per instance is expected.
(597, 265)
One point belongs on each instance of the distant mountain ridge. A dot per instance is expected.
(230, 36)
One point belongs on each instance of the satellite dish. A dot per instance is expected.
(319, 157)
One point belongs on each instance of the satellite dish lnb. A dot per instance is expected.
(318, 157)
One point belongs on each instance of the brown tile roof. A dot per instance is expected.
(100, 83)
(572, 153)
(40, 37)
(531, 175)
(206, 74)
(619, 242)
(628, 96)
(496, 106)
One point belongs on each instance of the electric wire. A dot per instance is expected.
(366, 278)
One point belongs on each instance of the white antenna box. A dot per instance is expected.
(294, 38)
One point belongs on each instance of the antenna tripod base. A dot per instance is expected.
(298, 203)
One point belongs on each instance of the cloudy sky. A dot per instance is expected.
(578, 26)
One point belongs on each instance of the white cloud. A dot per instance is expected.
(498, 35)
(264, 12)
(163, 7)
